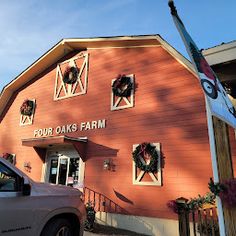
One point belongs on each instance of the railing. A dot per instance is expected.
(205, 221)
(101, 203)
(201, 222)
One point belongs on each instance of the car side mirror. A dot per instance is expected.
(26, 188)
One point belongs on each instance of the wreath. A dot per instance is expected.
(122, 86)
(145, 157)
(70, 75)
(27, 108)
(9, 157)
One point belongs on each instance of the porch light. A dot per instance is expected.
(107, 164)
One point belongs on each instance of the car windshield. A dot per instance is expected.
(6, 171)
(8, 179)
(11, 172)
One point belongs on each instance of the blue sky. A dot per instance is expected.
(30, 27)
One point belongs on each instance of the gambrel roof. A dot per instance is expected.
(66, 46)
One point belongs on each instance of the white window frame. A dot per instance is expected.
(81, 83)
(116, 101)
(156, 177)
(28, 120)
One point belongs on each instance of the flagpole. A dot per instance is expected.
(215, 167)
(205, 74)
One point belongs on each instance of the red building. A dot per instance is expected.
(67, 122)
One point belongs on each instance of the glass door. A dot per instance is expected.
(73, 171)
(53, 170)
(63, 170)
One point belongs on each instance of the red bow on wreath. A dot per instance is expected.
(148, 152)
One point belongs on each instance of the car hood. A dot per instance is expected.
(52, 189)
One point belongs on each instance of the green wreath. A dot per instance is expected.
(122, 86)
(138, 157)
(9, 157)
(27, 108)
(70, 75)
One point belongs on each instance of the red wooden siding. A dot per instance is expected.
(169, 109)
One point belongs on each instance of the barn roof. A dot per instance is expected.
(66, 46)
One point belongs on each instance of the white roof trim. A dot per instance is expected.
(220, 54)
(179, 57)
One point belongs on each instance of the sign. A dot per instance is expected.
(70, 180)
(70, 128)
(217, 98)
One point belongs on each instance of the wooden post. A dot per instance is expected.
(183, 217)
(225, 168)
(184, 224)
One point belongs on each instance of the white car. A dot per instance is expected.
(28, 208)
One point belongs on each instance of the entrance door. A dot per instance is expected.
(65, 167)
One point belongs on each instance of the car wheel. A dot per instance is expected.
(209, 88)
(58, 227)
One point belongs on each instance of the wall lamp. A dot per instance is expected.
(27, 166)
(107, 164)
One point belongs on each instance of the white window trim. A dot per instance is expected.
(28, 120)
(156, 177)
(70, 89)
(115, 101)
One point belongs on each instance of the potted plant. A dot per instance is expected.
(89, 223)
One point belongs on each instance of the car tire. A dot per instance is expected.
(209, 88)
(58, 227)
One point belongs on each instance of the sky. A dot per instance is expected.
(29, 28)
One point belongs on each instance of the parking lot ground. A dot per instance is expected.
(103, 230)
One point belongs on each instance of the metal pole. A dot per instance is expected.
(215, 167)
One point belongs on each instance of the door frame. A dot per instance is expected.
(67, 151)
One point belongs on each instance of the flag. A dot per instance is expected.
(217, 98)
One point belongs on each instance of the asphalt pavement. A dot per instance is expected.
(105, 230)
(86, 233)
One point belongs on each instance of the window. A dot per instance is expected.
(142, 177)
(27, 115)
(119, 103)
(8, 180)
(64, 170)
(64, 90)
